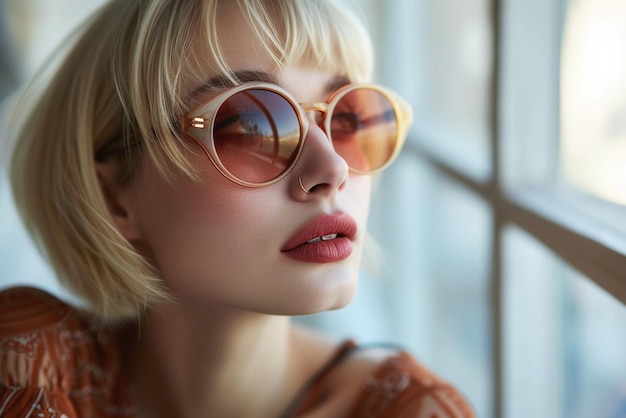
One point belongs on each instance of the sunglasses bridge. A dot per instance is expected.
(320, 109)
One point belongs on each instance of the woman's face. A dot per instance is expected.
(217, 243)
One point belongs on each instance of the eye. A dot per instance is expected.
(347, 117)
(345, 123)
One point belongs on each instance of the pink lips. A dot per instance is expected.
(326, 239)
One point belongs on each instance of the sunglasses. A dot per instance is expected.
(254, 133)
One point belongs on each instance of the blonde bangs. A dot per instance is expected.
(319, 33)
(325, 35)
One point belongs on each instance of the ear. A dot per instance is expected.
(117, 199)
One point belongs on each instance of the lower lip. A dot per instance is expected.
(322, 251)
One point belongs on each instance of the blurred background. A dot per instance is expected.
(502, 225)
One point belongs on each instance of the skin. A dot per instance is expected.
(227, 348)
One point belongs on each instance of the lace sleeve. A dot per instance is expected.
(22, 402)
(55, 361)
(31, 356)
(403, 388)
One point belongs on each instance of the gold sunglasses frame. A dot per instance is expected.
(198, 124)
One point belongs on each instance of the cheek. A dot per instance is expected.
(216, 216)
(360, 192)
(192, 230)
(215, 241)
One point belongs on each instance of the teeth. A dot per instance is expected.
(322, 238)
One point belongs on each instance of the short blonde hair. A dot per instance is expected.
(127, 76)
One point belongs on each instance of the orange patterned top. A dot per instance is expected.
(55, 363)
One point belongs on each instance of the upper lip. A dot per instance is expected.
(341, 224)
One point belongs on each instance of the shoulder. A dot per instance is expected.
(50, 353)
(32, 351)
(38, 338)
(376, 381)
(393, 383)
(25, 309)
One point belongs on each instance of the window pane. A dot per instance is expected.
(593, 98)
(564, 338)
(458, 252)
(457, 69)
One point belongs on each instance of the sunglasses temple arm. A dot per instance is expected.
(405, 114)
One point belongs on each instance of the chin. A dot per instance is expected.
(329, 299)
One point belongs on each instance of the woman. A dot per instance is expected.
(196, 172)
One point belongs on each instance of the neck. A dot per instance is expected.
(220, 363)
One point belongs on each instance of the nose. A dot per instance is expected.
(316, 112)
(320, 171)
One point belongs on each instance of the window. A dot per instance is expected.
(505, 214)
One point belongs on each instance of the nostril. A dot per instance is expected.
(323, 186)
(318, 187)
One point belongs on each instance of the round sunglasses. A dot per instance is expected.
(254, 133)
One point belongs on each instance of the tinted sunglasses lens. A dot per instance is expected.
(256, 135)
(364, 129)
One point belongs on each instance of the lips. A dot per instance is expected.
(326, 239)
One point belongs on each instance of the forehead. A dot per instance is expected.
(241, 45)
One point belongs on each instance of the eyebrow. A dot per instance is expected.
(222, 82)
(337, 82)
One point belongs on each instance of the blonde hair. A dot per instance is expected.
(128, 76)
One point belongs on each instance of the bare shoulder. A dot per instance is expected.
(319, 348)
(333, 373)
(359, 369)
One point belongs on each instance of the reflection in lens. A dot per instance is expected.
(256, 135)
(364, 129)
